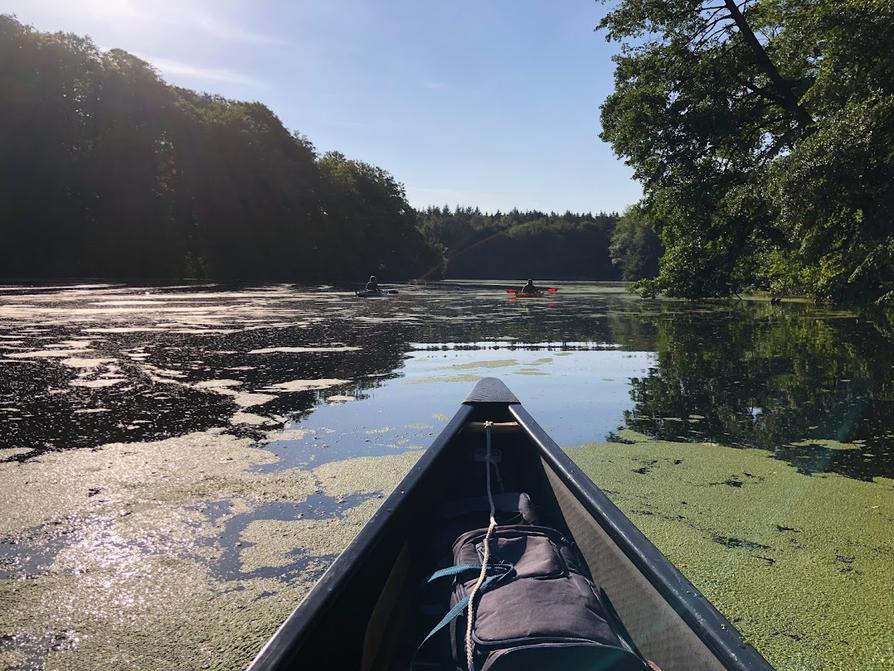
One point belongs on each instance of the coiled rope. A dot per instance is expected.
(470, 612)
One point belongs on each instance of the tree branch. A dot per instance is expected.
(766, 93)
(713, 33)
(708, 22)
(782, 88)
(713, 13)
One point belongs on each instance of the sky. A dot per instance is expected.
(489, 103)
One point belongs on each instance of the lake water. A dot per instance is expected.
(313, 376)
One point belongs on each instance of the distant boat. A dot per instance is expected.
(363, 613)
(538, 293)
(381, 293)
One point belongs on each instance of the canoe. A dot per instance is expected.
(361, 615)
(381, 293)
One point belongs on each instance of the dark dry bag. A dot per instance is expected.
(540, 611)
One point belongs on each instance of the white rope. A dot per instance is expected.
(470, 612)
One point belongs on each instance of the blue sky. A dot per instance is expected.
(491, 103)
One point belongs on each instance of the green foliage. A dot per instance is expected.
(635, 248)
(108, 171)
(521, 244)
(763, 133)
(369, 209)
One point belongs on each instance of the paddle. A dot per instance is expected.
(551, 290)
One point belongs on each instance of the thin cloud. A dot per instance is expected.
(228, 32)
(434, 85)
(176, 68)
(173, 15)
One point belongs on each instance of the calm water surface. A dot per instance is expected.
(316, 376)
(81, 366)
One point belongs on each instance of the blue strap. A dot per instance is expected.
(500, 572)
(451, 615)
(460, 606)
(453, 570)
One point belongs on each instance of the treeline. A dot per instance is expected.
(525, 244)
(763, 134)
(106, 170)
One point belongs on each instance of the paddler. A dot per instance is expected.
(530, 289)
(372, 285)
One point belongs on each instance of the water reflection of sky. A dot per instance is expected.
(578, 395)
(86, 365)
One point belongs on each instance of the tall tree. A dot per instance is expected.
(109, 171)
(731, 115)
(635, 248)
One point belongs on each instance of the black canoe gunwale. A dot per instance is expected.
(715, 631)
(276, 651)
(708, 624)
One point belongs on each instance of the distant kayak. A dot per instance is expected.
(540, 293)
(381, 293)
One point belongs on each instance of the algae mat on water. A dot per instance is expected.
(176, 554)
(801, 564)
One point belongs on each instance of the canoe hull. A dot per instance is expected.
(359, 616)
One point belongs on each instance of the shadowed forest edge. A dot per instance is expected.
(111, 172)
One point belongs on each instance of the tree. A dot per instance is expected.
(522, 244)
(732, 116)
(109, 171)
(635, 248)
(374, 222)
(835, 189)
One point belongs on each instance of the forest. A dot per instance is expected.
(762, 132)
(108, 171)
(518, 244)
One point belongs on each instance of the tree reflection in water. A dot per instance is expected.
(794, 381)
(815, 387)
